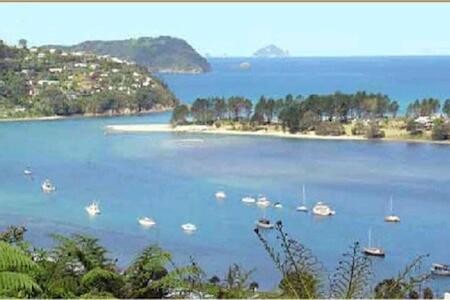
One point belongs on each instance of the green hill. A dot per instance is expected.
(47, 81)
(160, 54)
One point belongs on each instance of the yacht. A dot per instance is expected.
(220, 195)
(440, 269)
(277, 205)
(189, 228)
(248, 199)
(322, 209)
(93, 209)
(303, 206)
(147, 222)
(47, 186)
(392, 218)
(373, 251)
(264, 223)
(262, 201)
(27, 171)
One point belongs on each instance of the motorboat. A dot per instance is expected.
(27, 171)
(147, 222)
(264, 224)
(93, 209)
(303, 207)
(262, 201)
(277, 205)
(220, 195)
(391, 218)
(189, 228)
(47, 186)
(373, 251)
(440, 269)
(321, 209)
(248, 199)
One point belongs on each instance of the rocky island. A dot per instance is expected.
(271, 51)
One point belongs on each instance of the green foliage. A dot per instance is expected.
(351, 279)
(406, 282)
(413, 127)
(15, 269)
(373, 131)
(424, 107)
(330, 128)
(446, 108)
(440, 130)
(158, 54)
(99, 280)
(179, 115)
(298, 266)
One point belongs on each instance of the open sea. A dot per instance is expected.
(173, 180)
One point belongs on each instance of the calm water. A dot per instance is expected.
(402, 78)
(174, 182)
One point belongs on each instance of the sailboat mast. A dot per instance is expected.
(370, 238)
(392, 207)
(304, 194)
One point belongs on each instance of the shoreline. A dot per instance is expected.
(90, 115)
(158, 128)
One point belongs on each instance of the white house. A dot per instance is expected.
(48, 82)
(55, 70)
(52, 50)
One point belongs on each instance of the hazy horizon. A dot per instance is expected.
(239, 29)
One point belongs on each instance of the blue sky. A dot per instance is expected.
(238, 29)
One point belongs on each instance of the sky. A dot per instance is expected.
(239, 29)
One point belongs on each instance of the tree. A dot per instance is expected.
(23, 43)
(393, 108)
(351, 278)
(440, 131)
(15, 270)
(220, 108)
(147, 268)
(290, 117)
(98, 281)
(446, 108)
(179, 115)
(202, 111)
(299, 268)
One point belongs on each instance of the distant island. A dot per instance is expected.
(162, 54)
(271, 51)
(358, 116)
(50, 82)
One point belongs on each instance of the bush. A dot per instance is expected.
(373, 131)
(440, 130)
(359, 128)
(330, 128)
(413, 128)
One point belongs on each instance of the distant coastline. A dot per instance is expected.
(80, 116)
(155, 128)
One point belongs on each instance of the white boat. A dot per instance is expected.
(440, 269)
(147, 222)
(93, 209)
(248, 199)
(189, 227)
(277, 205)
(220, 195)
(373, 251)
(321, 209)
(47, 186)
(27, 171)
(392, 218)
(262, 201)
(303, 207)
(264, 223)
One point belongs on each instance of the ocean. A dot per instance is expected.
(172, 179)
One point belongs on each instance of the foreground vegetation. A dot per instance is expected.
(360, 114)
(46, 82)
(79, 267)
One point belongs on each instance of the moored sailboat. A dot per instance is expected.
(373, 251)
(391, 218)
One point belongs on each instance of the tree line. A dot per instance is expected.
(79, 267)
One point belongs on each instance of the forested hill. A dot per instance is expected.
(46, 82)
(160, 54)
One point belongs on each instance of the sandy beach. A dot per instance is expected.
(153, 128)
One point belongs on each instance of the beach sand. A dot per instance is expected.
(149, 128)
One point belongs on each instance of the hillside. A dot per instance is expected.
(161, 54)
(271, 51)
(47, 82)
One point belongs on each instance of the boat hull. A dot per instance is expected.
(374, 252)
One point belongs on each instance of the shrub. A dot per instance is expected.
(373, 131)
(330, 128)
(440, 130)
